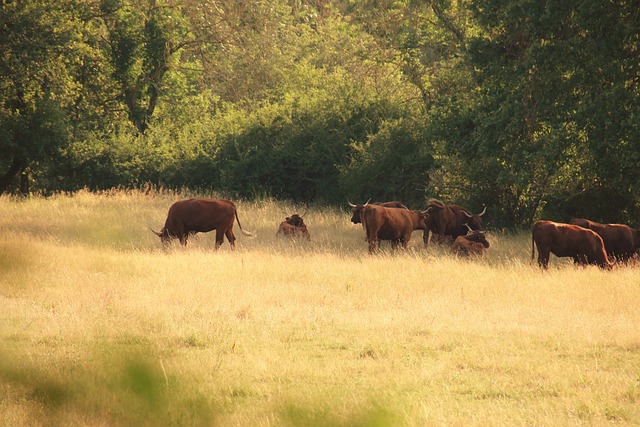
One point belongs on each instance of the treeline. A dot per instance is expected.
(528, 107)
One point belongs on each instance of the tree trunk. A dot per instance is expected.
(16, 166)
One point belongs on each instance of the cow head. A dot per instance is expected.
(423, 220)
(581, 222)
(477, 236)
(356, 211)
(295, 220)
(163, 234)
(474, 221)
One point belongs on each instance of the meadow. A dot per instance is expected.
(102, 326)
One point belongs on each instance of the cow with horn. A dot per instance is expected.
(447, 222)
(192, 216)
(389, 223)
(474, 243)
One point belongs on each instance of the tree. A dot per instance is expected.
(35, 86)
(144, 40)
(553, 78)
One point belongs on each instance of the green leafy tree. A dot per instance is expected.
(36, 38)
(143, 42)
(543, 121)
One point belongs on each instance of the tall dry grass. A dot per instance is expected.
(101, 326)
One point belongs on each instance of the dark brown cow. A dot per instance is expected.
(293, 226)
(200, 216)
(620, 241)
(396, 225)
(450, 221)
(567, 240)
(472, 244)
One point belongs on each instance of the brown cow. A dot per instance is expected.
(620, 241)
(357, 209)
(567, 240)
(200, 216)
(396, 225)
(472, 244)
(450, 221)
(357, 212)
(293, 226)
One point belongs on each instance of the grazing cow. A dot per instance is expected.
(567, 240)
(450, 221)
(293, 226)
(200, 216)
(472, 244)
(396, 225)
(620, 241)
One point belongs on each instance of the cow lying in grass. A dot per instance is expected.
(293, 226)
(472, 244)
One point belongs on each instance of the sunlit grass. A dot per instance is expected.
(101, 326)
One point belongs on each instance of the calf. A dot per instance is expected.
(293, 226)
(472, 244)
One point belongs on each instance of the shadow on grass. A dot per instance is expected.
(130, 389)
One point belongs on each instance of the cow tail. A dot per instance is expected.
(246, 233)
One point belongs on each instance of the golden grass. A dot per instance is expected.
(101, 326)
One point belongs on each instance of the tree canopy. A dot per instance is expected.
(530, 108)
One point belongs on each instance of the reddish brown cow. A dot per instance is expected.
(293, 226)
(620, 241)
(356, 212)
(396, 225)
(472, 244)
(567, 240)
(462, 246)
(450, 221)
(200, 216)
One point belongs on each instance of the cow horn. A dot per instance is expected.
(155, 232)
(483, 211)
(467, 225)
(305, 212)
(467, 214)
(351, 204)
(367, 202)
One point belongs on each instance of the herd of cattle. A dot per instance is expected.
(585, 241)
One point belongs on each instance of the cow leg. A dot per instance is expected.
(543, 259)
(183, 239)
(231, 238)
(219, 238)
(374, 245)
(405, 240)
(581, 259)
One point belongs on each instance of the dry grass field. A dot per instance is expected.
(102, 327)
